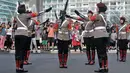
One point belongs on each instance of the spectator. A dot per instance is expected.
(38, 36)
(44, 39)
(113, 39)
(50, 31)
(33, 40)
(76, 39)
(8, 41)
(2, 36)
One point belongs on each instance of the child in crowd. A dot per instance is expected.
(113, 39)
(44, 39)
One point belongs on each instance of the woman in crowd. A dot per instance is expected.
(9, 41)
(2, 36)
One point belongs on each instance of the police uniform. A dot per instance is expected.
(31, 30)
(101, 37)
(63, 37)
(21, 36)
(27, 52)
(122, 40)
(89, 41)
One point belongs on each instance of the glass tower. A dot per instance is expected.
(7, 9)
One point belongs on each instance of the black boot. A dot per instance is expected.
(21, 71)
(88, 63)
(60, 60)
(89, 57)
(65, 60)
(92, 62)
(106, 70)
(93, 58)
(124, 55)
(101, 65)
(121, 55)
(27, 63)
(106, 64)
(99, 70)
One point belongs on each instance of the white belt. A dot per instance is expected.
(23, 28)
(122, 32)
(89, 30)
(99, 28)
(63, 32)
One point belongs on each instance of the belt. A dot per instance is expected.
(122, 32)
(89, 30)
(100, 28)
(63, 32)
(23, 28)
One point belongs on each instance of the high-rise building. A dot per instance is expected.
(7, 9)
(116, 8)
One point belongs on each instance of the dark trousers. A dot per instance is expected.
(27, 49)
(90, 48)
(63, 51)
(89, 42)
(28, 43)
(101, 51)
(63, 47)
(20, 48)
(8, 41)
(122, 43)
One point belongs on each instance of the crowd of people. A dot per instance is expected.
(44, 37)
(6, 37)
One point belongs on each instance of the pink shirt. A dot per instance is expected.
(50, 32)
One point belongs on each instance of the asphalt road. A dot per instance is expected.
(48, 63)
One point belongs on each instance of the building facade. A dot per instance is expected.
(116, 8)
(7, 9)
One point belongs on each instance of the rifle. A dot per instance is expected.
(81, 15)
(63, 12)
(56, 15)
(45, 22)
(68, 16)
(41, 12)
(45, 11)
